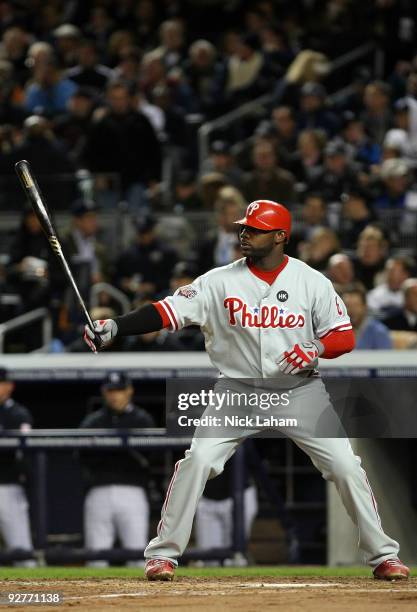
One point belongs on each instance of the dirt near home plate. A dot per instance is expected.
(211, 595)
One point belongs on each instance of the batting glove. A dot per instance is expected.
(104, 332)
(301, 356)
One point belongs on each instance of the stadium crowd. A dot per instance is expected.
(115, 89)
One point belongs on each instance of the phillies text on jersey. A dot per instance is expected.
(248, 323)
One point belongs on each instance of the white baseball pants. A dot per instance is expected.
(214, 520)
(115, 510)
(15, 521)
(334, 458)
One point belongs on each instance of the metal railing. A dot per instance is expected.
(253, 107)
(115, 293)
(39, 314)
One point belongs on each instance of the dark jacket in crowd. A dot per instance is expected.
(125, 144)
(124, 466)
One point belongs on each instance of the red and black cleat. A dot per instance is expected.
(391, 569)
(159, 569)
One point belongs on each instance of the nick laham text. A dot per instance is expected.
(236, 421)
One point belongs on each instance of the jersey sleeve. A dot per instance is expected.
(329, 311)
(188, 306)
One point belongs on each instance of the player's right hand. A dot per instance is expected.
(105, 330)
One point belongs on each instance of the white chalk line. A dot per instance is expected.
(256, 585)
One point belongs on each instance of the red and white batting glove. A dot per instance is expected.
(301, 356)
(104, 333)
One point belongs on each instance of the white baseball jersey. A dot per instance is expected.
(248, 323)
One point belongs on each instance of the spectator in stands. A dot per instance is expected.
(14, 509)
(116, 502)
(340, 271)
(48, 93)
(186, 192)
(139, 164)
(396, 192)
(355, 215)
(48, 158)
(268, 180)
(244, 76)
(172, 38)
(405, 131)
(200, 70)
(276, 48)
(387, 298)
(338, 173)
(307, 163)
(406, 319)
(144, 269)
(371, 254)
(146, 23)
(317, 250)
(11, 111)
(369, 333)
(67, 43)
(377, 115)
(218, 248)
(284, 132)
(27, 269)
(314, 215)
(221, 159)
(71, 128)
(88, 72)
(99, 27)
(128, 68)
(366, 152)
(209, 187)
(13, 49)
(88, 258)
(313, 113)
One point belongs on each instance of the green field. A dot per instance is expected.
(80, 573)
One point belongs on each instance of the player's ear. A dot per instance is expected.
(280, 237)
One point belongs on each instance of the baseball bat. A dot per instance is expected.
(33, 193)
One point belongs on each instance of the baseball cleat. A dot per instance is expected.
(391, 569)
(159, 569)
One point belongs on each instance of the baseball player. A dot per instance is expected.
(116, 502)
(14, 507)
(268, 317)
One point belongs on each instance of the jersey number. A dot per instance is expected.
(339, 310)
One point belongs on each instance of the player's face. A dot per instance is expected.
(256, 243)
(118, 399)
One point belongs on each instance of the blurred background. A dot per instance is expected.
(150, 126)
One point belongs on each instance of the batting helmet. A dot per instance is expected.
(267, 215)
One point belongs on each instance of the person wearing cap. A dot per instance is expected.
(67, 43)
(221, 160)
(313, 112)
(339, 173)
(404, 134)
(357, 212)
(116, 502)
(396, 192)
(14, 508)
(72, 126)
(145, 267)
(377, 116)
(365, 151)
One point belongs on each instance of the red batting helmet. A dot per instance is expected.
(267, 215)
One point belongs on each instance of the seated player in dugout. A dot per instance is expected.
(14, 508)
(116, 482)
(265, 316)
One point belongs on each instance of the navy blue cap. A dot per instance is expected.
(116, 380)
(82, 206)
(145, 223)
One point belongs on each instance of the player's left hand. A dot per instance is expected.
(300, 356)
